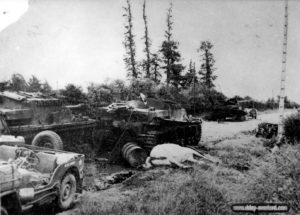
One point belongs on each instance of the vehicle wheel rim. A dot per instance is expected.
(46, 144)
(66, 192)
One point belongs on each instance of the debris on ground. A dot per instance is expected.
(104, 181)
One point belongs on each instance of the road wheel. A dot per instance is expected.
(3, 211)
(67, 192)
(48, 139)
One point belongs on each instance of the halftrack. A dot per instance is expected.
(43, 120)
(144, 124)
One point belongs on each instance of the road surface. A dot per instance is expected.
(214, 131)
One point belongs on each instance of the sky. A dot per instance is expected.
(80, 41)
(11, 11)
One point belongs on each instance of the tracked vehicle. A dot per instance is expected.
(43, 120)
(230, 109)
(126, 125)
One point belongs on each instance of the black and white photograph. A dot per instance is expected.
(137, 107)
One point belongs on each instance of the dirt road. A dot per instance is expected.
(213, 131)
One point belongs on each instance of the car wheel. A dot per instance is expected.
(48, 139)
(67, 192)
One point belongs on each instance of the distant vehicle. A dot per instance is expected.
(43, 120)
(251, 113)
(229, 110)
(34, 176)
(144, 124)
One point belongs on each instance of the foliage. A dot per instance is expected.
(191, 76)
(202, 99)
(278, 180)
(292, 127)
(46, 88)
(171, 56)
(207, 67)
(129, 43)
(119, 90)
(147, 62)
(99, 94)
(73, 94)
(155, 63)
(34, 84)
(17, 83)
(145, 86)
(104, 94)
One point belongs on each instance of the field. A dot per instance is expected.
(248, 173)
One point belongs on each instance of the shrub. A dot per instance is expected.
(277, 179)
(292, 128)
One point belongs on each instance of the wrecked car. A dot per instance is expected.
(34, 176)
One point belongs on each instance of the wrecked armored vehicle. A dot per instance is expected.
(133, 125)
(33, 176)
(231, 109)
(267, 130)
(42, 120)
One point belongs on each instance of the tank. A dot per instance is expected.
(43, 120)
(145, 124)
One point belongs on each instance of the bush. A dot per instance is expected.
(292, 128)
(277, 180)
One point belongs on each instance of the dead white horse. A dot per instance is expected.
(172, 154)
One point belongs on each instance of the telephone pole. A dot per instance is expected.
(194, 77)
(283, 72)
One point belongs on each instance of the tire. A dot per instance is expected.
(67, 192)
(3, 211)
(48, 139)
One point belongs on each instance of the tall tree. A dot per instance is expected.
(155, 63)
(191, 76)
(147, 62)
(34, 84)
(46, 88)
(129, 43)
(207, 66)
(171, 56)
(17, 83)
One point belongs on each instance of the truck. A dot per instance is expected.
(33, 176)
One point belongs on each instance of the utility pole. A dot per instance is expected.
(194, 76)
(283, 72)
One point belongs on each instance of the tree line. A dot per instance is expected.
(102, 94)
(18, 83)
(167, 60)
(159, 74)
